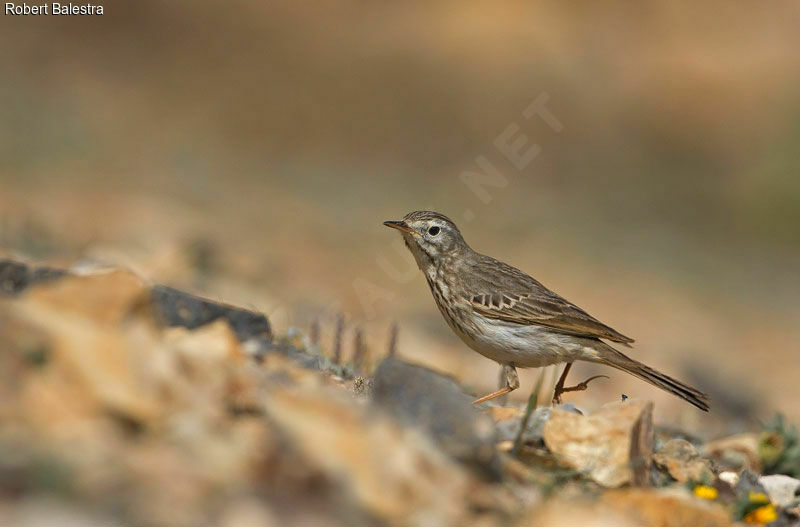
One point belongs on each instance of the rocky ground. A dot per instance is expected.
(125, 403)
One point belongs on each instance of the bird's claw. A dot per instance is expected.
(577, 388)
(584, 385)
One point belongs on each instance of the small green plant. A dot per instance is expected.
(533, 402)
(779, 448)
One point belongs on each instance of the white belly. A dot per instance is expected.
(525, 346)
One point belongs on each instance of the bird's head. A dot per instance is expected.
(429, 236)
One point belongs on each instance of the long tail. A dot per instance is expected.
(620, 361)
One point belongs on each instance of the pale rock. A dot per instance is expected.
(729, 477)
(211, 344)
(673, 507)
(248, 513)
(105, 299)
(562, 512)
(49, 511)
(613, 446)
(629, 508)
(395, 473)
(81, 318)
(501, 414)
(781, 489)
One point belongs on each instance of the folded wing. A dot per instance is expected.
(510, 295)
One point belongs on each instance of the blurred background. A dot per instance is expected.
(249, 152)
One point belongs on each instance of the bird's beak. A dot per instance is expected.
(400, 226)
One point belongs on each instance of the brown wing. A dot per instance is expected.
(506, 293)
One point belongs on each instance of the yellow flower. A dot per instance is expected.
(705, 492)
(758, 497)
(762, 515)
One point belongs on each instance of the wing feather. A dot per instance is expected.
(510, 295)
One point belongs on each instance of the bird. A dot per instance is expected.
(511, 318)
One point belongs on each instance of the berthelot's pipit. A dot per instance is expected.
(509, 317)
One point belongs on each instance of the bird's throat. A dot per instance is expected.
(424, 260)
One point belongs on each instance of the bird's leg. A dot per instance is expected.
(502, 383)
(559, 389)
(512, 383)
(577, 388)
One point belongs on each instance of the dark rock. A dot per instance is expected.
(436, 404)
(15, 277)
(683, 463)
(307, 359)
(175, 308)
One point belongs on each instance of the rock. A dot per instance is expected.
(666, 508)
(683, 462)
(105, 299)
(92, 360)
(107, 406)
(177, 308)
(102, 353)
(436, 404)
(44, 511)
(613, 446)
(729, 477)
(16, 277)
(782, 490)
(508, 420)
(735, 452)
(244, 513)
(172, 307)
(630, 508)
(394, 473)
(501, 414)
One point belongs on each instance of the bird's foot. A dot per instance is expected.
(493, 395)
(577, 388)
(509, 375)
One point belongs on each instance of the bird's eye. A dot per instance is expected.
(433, 231)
